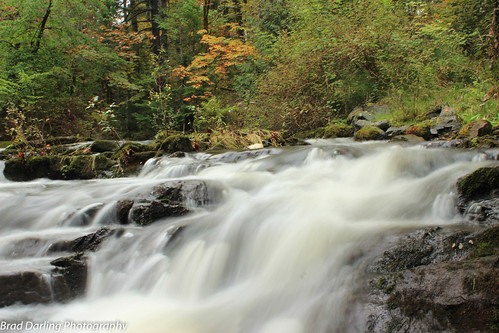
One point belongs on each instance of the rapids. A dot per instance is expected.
(281, 251)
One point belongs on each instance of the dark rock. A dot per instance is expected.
(481, 211)
(103, 145)
(383, 124)
(447, 121)
(176, 143)
(171, 199)
(84, 216)
(33, 167)
(63, 283)
(433, 280)
(369, 133)
(178, 154)
(90, 242)
(423, 247)
(123, 209)
(25, 288)
(441, 297)
(69, 277)
(481, 184)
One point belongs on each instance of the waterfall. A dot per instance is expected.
(281, 251)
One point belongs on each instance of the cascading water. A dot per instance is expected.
(281, 251)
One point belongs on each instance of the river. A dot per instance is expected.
(281, 250)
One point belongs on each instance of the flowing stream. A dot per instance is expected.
(280, 251)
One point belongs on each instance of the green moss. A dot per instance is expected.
(486, 243)
(176, 143)
(103, 145)
(78, 167)
(479, 183)
(369, 133)
(101, 162)
(338, 131)
(421, 129)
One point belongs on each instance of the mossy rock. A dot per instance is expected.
(33, 167)
(338, 131)
(422, 130)
(102, 162)
(310, 134)
(79, 167)
(101, 146)
(369, 133)
(176, 143)
(475, 129)
(56, 167)
(7, 153)
(479, 184)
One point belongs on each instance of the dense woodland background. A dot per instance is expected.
(128, 68)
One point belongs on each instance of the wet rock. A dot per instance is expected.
(33, 167)
(369, 133)
(170, 199)
(481, 184)
(67, 280)
(441, 297)
(482, 211)
(423, 247)
(433, 280)
(84, 216)
(69, 277)
(123, 209)
(25, 288)
(55, 167)
(90, 242)
(101, 146)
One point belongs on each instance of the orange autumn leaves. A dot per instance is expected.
(214, 68)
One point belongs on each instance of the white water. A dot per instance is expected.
(281, 252)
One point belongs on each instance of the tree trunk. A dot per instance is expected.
(41, 29)
(131, 8)
(206, 11)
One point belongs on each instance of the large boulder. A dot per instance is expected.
(475, 129)
(101, 146)
(27, 168)
(65, 281)
(176, 143)
(445, 120)
(369, 133)
(170, 199)
(432, 280)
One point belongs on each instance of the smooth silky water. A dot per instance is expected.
(281, 251)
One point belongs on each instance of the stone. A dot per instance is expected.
(421, 129)
(394, 131)
(101, 146)
(482, 183)
(369, 133)
(176, 143)
(90, 242)
(475, 129)
(383, 124)
(447, 121)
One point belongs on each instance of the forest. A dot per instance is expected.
(130, 68)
